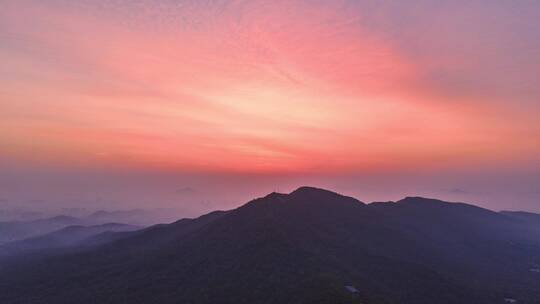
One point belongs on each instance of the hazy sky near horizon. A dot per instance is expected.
(201, 105)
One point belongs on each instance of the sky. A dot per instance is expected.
(202, 105)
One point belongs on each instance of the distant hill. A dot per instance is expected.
(308, 246)
(22, 229)
(64, 238)
(17, 230)
(140, 217)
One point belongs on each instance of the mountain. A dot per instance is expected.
(11, 231)
(308, 246)
(17, 230)
(137, 217)
(64, 238)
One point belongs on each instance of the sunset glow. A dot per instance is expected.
(266, 87)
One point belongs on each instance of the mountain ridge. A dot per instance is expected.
(301, 247)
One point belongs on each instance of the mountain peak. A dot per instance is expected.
(419, 199)
(430, 203)
(275, 195)
(304, 196)
(319, 194)
(308, 190)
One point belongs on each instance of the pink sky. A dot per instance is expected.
(240, 90)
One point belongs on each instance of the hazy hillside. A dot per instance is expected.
(64, 238)
(134, 217)
(17, 230)
(22, 229)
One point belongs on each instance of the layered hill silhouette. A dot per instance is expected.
(68, 237)
(18, 230)
(308, 246)
(12, 231)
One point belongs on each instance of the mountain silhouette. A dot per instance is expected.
(308, 246)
